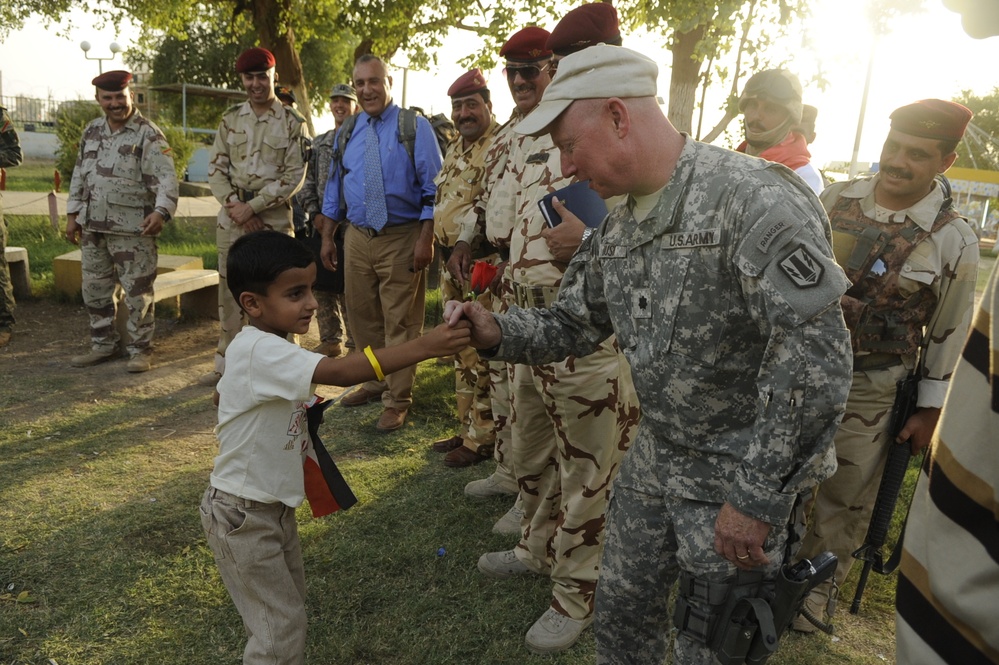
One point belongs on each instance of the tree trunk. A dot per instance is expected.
(280, 40)
(684, 79)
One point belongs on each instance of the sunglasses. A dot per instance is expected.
(527, 72)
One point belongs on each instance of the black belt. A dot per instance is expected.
(388, 228)
(246, 195)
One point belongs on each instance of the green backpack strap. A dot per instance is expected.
(342, 136)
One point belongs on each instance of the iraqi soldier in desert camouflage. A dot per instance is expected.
(718, 279)
(10, 155)
(913, 261)
(257, 165)
(124, 188)
(461, 178)
(573, 419)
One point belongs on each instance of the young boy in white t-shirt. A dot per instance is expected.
(248, 511)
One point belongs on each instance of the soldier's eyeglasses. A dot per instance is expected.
(527, 72)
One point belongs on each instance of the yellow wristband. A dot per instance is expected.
(374, 363)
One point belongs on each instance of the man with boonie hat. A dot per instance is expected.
(771, 108)
(460, 181)
(717, 277)
(565, 452)
(334, 333)
(913, 261)
(124, 189)
(257, 165)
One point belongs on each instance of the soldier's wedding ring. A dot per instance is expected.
(740, 558)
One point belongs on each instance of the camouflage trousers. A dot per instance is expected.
(843, 503)
(231, 317)
(572, 423)
(471, 382)
(6, 287)
(332, 317)
(650, 538)
(107, 261)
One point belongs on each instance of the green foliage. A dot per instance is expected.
(182, 146)
(979, 148)
(71, 118)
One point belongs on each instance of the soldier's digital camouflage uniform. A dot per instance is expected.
(120, 177)
(259, 160)
(459, 183)
(10, 155)
(725, 300)
(485, 220)
(573, 418)
(923, 274)
(332, 313)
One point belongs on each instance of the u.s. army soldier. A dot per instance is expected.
(124, 188)
(717, 277)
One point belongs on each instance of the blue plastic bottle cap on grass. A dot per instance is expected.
(441, 551)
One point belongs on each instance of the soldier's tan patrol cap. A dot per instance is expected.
(598, 72)
(343, 90)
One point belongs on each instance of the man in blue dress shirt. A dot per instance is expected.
(389, 242)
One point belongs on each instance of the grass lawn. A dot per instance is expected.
(33, 175)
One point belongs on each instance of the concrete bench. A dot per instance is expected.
(20, 271)
(69, 276)
(195, 291)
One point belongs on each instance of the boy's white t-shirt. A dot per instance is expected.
(263, 430)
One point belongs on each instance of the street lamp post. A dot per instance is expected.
(114, 47)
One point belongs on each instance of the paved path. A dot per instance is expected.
(191, 208)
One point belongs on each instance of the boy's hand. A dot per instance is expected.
(447, 340)
(485, 332)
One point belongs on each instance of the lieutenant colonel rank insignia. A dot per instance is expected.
(802, 268)
(641, 306)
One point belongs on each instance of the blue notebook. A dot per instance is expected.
(580, 200)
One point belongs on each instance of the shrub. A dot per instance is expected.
(71, 118)
(182, 146)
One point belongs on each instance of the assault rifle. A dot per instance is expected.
(899, 455)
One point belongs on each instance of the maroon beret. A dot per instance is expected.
(584, 26)
(113, 81)
(527, 45)
(254, 59)
(468, 83)
(932, 119)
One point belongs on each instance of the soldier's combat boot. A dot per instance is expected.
(91, 358)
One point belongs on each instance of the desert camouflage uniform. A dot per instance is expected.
(332, 313)
(936, 278)
(573, 419)
(485, 220)
(259, 160)
(725, 301)
(459, 182)
(10, 155)
(119, 179)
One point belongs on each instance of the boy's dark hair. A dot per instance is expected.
(256, 260)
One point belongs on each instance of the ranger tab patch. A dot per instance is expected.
(802, 268)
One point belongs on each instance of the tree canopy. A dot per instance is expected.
(980, 147)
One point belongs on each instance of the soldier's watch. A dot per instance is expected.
(163, 213)
(587, 232)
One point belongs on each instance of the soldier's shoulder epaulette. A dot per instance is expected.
(295, 114)
(233, 108)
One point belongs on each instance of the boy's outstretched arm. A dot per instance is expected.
(444, 340)
(485, 333)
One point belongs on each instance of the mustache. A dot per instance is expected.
(897, 173)
(524, 87)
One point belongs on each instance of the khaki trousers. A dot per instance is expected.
(572, 423)
(231, 317)
(844, 502)
(385, 300)
(259, 557)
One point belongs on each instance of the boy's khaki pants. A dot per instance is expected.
(259, 556)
